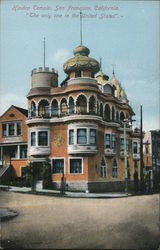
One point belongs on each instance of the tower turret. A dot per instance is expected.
(44, 78)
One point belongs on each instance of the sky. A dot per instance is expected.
(123, 33)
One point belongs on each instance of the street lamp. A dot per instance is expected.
(125, 122)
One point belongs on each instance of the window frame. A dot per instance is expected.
(4, 124)
(71, 137)
(81, 136)
(38, 141)
(69, 165)
(31, 144)
(10, 124)
(64, 166)
(95, 136)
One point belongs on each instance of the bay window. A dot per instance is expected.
(33, 138)
(71, 136)
(92, 136)
(43, 138)
(81, 136)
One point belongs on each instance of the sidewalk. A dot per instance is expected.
(67, 193)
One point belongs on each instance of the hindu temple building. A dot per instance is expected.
(78, 126)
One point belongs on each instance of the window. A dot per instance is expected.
(102, 168)
(4, 129)
(81, 104)
(135, 148)
(43, 108)
(33, 109)
(63, 106)
(92, 105)
(114, 168)
(107, 112)
(122, 145)
(76, 166)
(71, 105)
(23, 151)
(12, 152)
(113, 142)
(107, 141)
(92, 136)
(19, 126)
(71, 136)
(81, 136)
(78, 74)
(54, 108)
(11, 129)
(58, 166)
(33, 139)
(43, 138)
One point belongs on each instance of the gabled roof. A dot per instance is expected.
(21, 110)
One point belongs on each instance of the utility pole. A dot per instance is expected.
(125, 158)
(141, 152)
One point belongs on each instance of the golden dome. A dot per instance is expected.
(81, 61)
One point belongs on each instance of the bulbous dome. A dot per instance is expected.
(81, 61)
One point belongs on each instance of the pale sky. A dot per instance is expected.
(124, 33)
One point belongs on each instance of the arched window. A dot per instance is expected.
(71, 105)
(43, 108)
(102, 168)
(117, 116)
(92, 105)
(63, 106)
(107, 113)
(122, 116)
(81, 104)
(54, 107)
(114, 168)
(33, 109)
(97, 108)
(101, 109)
(113, 113)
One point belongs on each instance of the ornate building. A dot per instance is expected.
(78, 126)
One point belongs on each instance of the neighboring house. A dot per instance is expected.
(13, 140)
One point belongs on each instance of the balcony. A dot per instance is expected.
(40, 150)
(82, 149)
(109, 152)
(82, 80)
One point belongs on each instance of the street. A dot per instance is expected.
(58, 222)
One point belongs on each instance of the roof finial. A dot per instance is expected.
(44, 45)
(81, 27)
(100, 62)
(113, 68)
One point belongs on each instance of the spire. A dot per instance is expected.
(80, 28)
(100, 62)
(113, 68)
(44, 51)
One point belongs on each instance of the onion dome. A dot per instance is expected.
(102, 78)
(81, 61)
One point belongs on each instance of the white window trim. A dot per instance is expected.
(58, 158)
(36, 135)
(69, 165)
